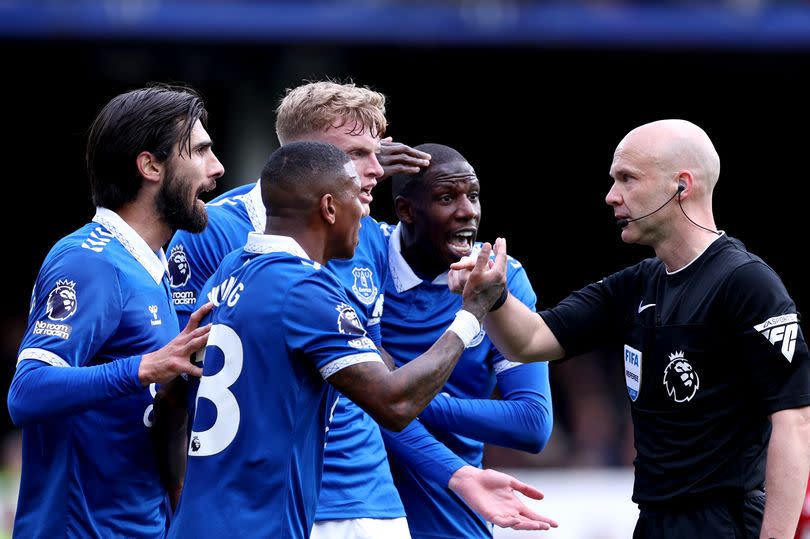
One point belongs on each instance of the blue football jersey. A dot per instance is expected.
(416, 313)
(89, 470)
(357, 481)
(282, 324)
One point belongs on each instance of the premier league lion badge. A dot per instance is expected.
(680, 378)
(62, 301)
(179, 269)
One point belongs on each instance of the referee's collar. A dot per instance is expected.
(401, 272)
(153, 261)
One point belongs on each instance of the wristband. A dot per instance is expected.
(466, 326)
(500, 301)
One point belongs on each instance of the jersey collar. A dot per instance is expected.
(269, 243)
(153, 261)
(401, 272)
(722, 233)
(255, 208)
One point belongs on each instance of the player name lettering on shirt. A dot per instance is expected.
(227, 293)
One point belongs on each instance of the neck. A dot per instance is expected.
(682, 249)
(144, 219)
(420, 257)
(312, 241)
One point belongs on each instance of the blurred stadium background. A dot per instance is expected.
(536, 94)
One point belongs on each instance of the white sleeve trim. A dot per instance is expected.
(42, 355)
(505, 365)
(347, 361)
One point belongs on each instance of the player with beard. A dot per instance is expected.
(358, 498)
(440, 211)
(716, 365)
(102, 331)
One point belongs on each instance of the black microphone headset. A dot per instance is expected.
(621, 223)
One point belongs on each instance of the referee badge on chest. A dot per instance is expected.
(363, 286)
(632, 371)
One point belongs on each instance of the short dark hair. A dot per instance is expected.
(302, 171)
(403, 184)
(151, 119)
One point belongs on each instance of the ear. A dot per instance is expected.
(404, 210)
(149, 167)
(685, 183)
(328, 209)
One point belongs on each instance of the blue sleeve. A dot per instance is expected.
(319, 322)
(419, 450)
(40, 392)
(521, 420)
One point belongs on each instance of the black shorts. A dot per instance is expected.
(715, 519)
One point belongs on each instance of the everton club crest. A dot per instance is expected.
(363, 286)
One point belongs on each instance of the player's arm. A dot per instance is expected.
(393, 399)
(398, 158)
(786, 471)
(522, 419)
(487, 492)
(518, 332)
(46, 385)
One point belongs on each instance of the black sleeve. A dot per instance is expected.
(768, 337)
(594, 316)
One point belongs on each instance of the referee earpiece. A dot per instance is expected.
(681, 187)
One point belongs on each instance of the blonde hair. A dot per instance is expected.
(316, 106)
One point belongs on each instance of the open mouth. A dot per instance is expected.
(460, 243)
(365, 195)
(206, 189)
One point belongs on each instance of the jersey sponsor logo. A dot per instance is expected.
(680, 378)
(62, 301)
(784, 330)
(632, 371)
(153, 310)
(363, 286)
(347, 321)
(179, 268)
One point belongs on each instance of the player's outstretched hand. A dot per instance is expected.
(175, 358)
(492, 495)
(487, 280)
(398, 158)
(459, 273)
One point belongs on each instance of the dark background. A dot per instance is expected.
(539, 119)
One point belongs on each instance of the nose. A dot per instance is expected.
(217, 169)
(467, 209)
(375, 168)
(613, 198)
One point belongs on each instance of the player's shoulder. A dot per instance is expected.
(386, 228)
(91, 248)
